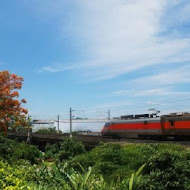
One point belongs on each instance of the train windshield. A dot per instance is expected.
(106, 125)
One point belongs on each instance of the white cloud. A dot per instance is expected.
(152, 92)
(124, 36)
(160, 92)
(169, 77)
(123, 92)
(117, 104)
(59, 68)
(155, 103)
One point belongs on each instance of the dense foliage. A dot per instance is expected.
(12, 151)
(28, 177)
(65, 150)
(12, 178)
(168, 170)
(167, 166)
(49, 131)
(109, 166)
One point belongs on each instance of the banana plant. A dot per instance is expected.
(134, 178)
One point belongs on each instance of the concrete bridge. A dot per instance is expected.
(41, 140)
(89, 141)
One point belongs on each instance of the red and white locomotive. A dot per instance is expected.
(175, 125)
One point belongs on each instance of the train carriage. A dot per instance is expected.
(176, 125)
(150, 127)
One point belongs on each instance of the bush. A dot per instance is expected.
(85, 161)
(6, 147)
(115, 161)
(26, 152)
(12, 178)
(51, 150)
(67, 149)
(70, 148)
(59, 178)
(11, 150)
(167, 170)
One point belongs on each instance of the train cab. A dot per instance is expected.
(106, 129)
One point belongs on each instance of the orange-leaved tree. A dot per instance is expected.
(11, 111)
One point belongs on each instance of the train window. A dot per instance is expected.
(145, 122)
(172, 123)
(107, 125)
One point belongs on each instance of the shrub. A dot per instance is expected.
(6, 147)
(51, 150)
(69, 148)
(167, 170)
(26, 151)
(11, 150)
(85, 160)
(12, 178)
(59, 178)
(115, 161)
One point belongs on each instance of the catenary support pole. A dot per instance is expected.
(58, 124)
(71, 122)
(109, 115)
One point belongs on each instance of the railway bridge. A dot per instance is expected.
(41, 140)
(89, 141)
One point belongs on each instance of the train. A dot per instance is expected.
(174, 125)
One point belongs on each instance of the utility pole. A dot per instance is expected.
(58, 124)
(109, 115)
(71, 117)
(28, 128)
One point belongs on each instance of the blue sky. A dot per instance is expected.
(123, 55)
